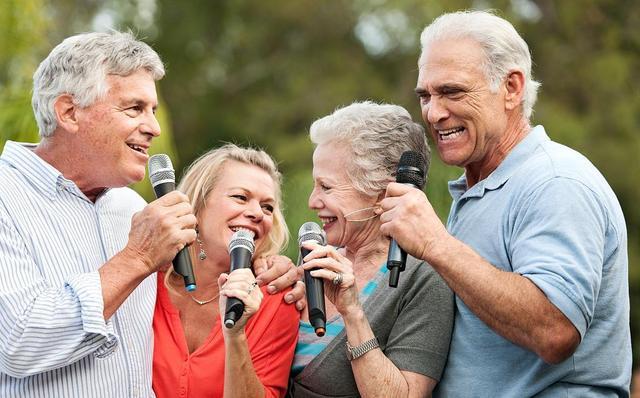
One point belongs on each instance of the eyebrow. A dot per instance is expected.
(246, 190)
(441, 88)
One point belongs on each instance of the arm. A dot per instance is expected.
(375, 374)
(538, 306)
(61, 323)
(262, 353)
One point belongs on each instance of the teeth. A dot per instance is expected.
(327, 220)
(450, 133)
(136, 147)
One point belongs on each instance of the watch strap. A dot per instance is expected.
(360, 350)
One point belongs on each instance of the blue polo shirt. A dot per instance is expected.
(548, 214)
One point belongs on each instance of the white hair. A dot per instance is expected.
(79, 66)
(504, 48)
(376, 136)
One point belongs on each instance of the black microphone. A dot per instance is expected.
(241, 249)
(163, 180)
(411, 171)
(315, 286)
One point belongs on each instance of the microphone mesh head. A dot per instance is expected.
(242, 238)
(160, 169)
(412, 169)
(311, 231)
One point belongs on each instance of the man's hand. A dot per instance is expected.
(279, 272)
(161, 229)
(407, 217)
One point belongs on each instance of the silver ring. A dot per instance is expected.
(252, 286)
(338, 279)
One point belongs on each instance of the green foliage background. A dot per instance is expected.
(259, 72)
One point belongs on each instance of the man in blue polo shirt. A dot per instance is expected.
(535, 246)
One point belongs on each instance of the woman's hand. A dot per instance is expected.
(337, 271)
(242, 285)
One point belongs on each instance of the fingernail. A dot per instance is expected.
(271, 289)
(288, 298)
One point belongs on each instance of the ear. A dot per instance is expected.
(65, 111)
(514, 86)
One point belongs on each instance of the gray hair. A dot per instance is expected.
(79, 66)
(504, 48)
(376, 135)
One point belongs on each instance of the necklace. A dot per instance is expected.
(203, 302)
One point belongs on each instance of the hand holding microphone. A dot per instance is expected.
(411, 171)
(311, 231)
(163, 180)
(241, 249)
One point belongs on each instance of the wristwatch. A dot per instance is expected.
(358, 351)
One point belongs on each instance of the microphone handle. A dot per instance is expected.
(182, 261)
(396, 262)
(240, 258)
(315, 299)
(396, 259)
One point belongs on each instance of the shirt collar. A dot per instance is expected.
(518, 156)
(39, 173)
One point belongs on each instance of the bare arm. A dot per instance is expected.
(375, 374)
(157, 233)
(509, 303)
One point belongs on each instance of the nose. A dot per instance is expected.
(150, 125)
(254, 211)
(314, 200)
(435, 111)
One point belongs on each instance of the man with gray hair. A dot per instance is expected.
(76, 246)
(535, 246)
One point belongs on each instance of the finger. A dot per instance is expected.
(284, 281)
(273, 274)
(171, 198)
(222, 279)
(330, 275)
(320, 251)
(325, 263)
(260, 266)
(396, 189)
(296, 294)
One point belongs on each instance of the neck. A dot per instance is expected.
(368, 257)
(514, 133)
(62, 154)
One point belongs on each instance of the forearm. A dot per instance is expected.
(118, 278)
(507, 302)
(375, 374)
(240, 378)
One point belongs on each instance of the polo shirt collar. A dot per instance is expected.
(516, 158)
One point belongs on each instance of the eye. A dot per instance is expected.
(268, 208)
(325, 187)
(240, 197)
(133, 111)
(453, 92)
(424, 98)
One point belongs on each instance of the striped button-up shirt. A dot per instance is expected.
(54, 340)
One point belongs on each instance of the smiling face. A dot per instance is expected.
(243, 197)
(334, 196)
(116, 131)
(467, 121)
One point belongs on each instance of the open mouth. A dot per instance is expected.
(450, 134)
(327, 221)
(138, 148)
(236, 229)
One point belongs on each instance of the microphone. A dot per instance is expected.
(240, 251)
(411, 171)
(315, 286)
(163, 180)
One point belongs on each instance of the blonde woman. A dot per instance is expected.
(195, 355)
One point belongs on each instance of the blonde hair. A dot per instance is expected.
(202, 176)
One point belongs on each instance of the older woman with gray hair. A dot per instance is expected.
(396, 339)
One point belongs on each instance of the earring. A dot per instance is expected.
(201, 255)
